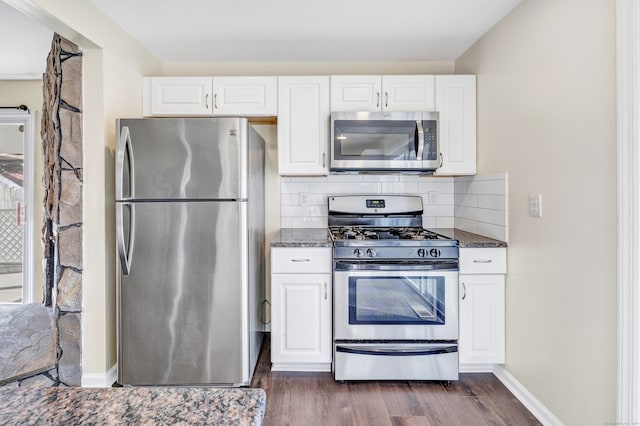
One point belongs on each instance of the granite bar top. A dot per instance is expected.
(468, 239)
(302, 237)
(131, 405)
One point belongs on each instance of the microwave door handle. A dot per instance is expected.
(420, 150)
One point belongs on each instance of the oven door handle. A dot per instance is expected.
(397, 351)
(341, 265)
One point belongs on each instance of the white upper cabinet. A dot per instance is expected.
(382, 93)
(303, 125)
(177, 96)
(247, 96)
(456, 104)
(206, 96)
(356, 92)
(408, 93)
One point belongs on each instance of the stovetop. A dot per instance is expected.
(383, 235)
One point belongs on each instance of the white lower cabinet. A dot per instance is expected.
(482, 308)
(301, 309)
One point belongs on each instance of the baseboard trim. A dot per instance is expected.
(475, 368)
(99, 380)
(527, 399)
(301, 366)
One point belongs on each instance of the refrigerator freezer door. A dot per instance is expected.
(181, 158)
(183, 305)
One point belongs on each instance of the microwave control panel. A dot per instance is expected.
(430, 139)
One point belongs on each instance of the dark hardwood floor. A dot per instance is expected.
(296, 398)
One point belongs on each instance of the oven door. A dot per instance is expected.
(395, 301)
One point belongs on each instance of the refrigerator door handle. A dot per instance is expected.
(123, 253)
(124, 147)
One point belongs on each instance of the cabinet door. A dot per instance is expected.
(482, 333)
(301, 318)
(177, 96)
(303, 125)
(356, 93)
(411, 93)
(247, 96)
(456, 103)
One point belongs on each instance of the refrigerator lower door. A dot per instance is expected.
(183, 306)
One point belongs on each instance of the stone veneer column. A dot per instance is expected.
(62, 179)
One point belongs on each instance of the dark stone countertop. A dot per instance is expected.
(302, 237)
(131, 405)
(319, 237)
(468, 239)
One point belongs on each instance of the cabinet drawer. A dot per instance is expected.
(483, 260)
(300, 260)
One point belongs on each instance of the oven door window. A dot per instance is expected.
(375, 140)
(396, 300)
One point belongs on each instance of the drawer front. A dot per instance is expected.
(369, 362)
(298, 260)
(483, 260)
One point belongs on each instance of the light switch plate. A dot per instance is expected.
(535, 205)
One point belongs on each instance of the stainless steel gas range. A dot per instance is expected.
(395, 291)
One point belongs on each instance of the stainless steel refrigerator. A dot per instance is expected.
(190, 250)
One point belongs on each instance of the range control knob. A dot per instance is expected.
(434, 252)
(371, 252)
(421, 252)
(357, 252)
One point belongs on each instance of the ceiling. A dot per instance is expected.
(271, 30)
(24, 45)
(299, 30)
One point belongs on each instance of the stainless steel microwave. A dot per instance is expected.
(384, 141)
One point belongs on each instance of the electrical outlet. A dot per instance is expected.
(433, 197)
(535, 205)
(304, 199)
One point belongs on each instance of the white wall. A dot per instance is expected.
(271, 201)
(113, 66)
(307, 68)
(546, 116)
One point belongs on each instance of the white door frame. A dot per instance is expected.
(28, 120)
(628, 104)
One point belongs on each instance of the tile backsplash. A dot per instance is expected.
(481, 205)
(303, 200)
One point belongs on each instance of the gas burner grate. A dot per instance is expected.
(363, 233)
